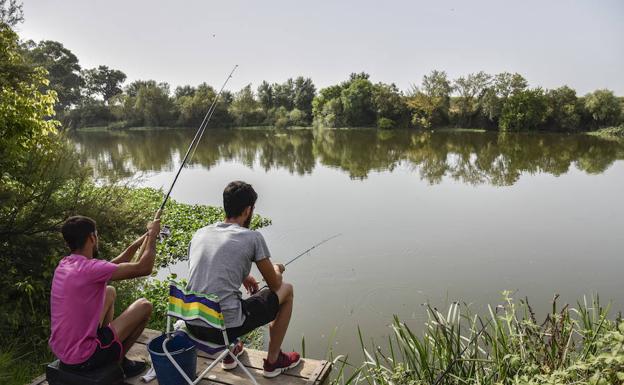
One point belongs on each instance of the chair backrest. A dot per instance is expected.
(189, 305)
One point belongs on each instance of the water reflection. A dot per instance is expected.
(469, 157)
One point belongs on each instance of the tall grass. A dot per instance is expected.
(579, 345)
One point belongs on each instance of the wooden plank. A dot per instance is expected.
(148, 335)
(308, 372)
(322, 375)
(41, 380)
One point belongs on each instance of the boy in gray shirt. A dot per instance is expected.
(220, 258)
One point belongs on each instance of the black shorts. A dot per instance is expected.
(259, 309)
(109, 349)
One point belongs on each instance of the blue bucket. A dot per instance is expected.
(183, 352)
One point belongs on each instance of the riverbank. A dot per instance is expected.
(613, 133)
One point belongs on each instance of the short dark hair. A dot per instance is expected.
(76, 230)
(236, 196)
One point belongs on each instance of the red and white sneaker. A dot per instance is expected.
(284, 362)
(228, 362)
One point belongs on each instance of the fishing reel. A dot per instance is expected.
(165, 232)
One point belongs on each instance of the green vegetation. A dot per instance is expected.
(579, 345)
(610, 133)
(504, 101)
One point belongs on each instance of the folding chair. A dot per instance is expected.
(187, 305)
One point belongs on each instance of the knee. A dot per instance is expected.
(145, 306)
(289, 289)
(111, 293)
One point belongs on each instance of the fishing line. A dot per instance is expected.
(198, 136)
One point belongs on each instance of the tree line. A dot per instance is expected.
(504, 101)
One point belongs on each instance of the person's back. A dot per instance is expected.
(220, 258)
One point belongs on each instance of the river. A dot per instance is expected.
(425, 217)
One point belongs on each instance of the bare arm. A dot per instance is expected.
(145, 264)
(129, 252)
(271, 273)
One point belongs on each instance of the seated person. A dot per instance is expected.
(220, 258)
(85, 335)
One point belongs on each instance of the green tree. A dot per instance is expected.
(284, 94)
(503, 86)
(604, 108)
(357, 103)
(245, 109)
(564, 109)
(145, 103)
(390, 107)
(103, 81)
(184, 91)
(324, 96)
(193, 104)
(524, 110)
(24, 107)
(430, 104)
(63, 70)
(304, 93)
(265, 96)
(471, 89)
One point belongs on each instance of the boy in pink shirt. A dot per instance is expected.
(84, 334)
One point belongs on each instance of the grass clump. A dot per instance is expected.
(579, 345)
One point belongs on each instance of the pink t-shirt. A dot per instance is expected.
(77, 297)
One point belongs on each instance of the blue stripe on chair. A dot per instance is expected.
(188, 297)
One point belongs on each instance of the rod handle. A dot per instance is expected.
(144, 244)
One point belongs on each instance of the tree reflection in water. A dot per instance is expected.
(470, 157)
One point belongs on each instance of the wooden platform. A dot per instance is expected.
(308, 372)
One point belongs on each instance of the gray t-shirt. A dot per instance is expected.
(220, 257)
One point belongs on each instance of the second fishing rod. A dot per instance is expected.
(191, 150)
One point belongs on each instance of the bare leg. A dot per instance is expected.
(277, 328)
(130, 324)
(108, 310)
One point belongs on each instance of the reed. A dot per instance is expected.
(573, 345)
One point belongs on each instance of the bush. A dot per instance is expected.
(525, 110)
(385, 123)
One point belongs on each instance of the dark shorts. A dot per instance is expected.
(109, 349)
(259, 309)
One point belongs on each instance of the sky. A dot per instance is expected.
(551, 43)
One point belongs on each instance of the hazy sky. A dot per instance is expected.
(578, 43)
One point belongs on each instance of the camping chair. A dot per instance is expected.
(187, 305)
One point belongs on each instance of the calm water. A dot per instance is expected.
(425, 217)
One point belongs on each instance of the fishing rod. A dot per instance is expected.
(311, 248)
(307, 251)
(194, 143)
(198, 136)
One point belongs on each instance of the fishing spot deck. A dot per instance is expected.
(308, 372)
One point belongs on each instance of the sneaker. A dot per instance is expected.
(228, 362)
(284, 362)
(132, 368)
